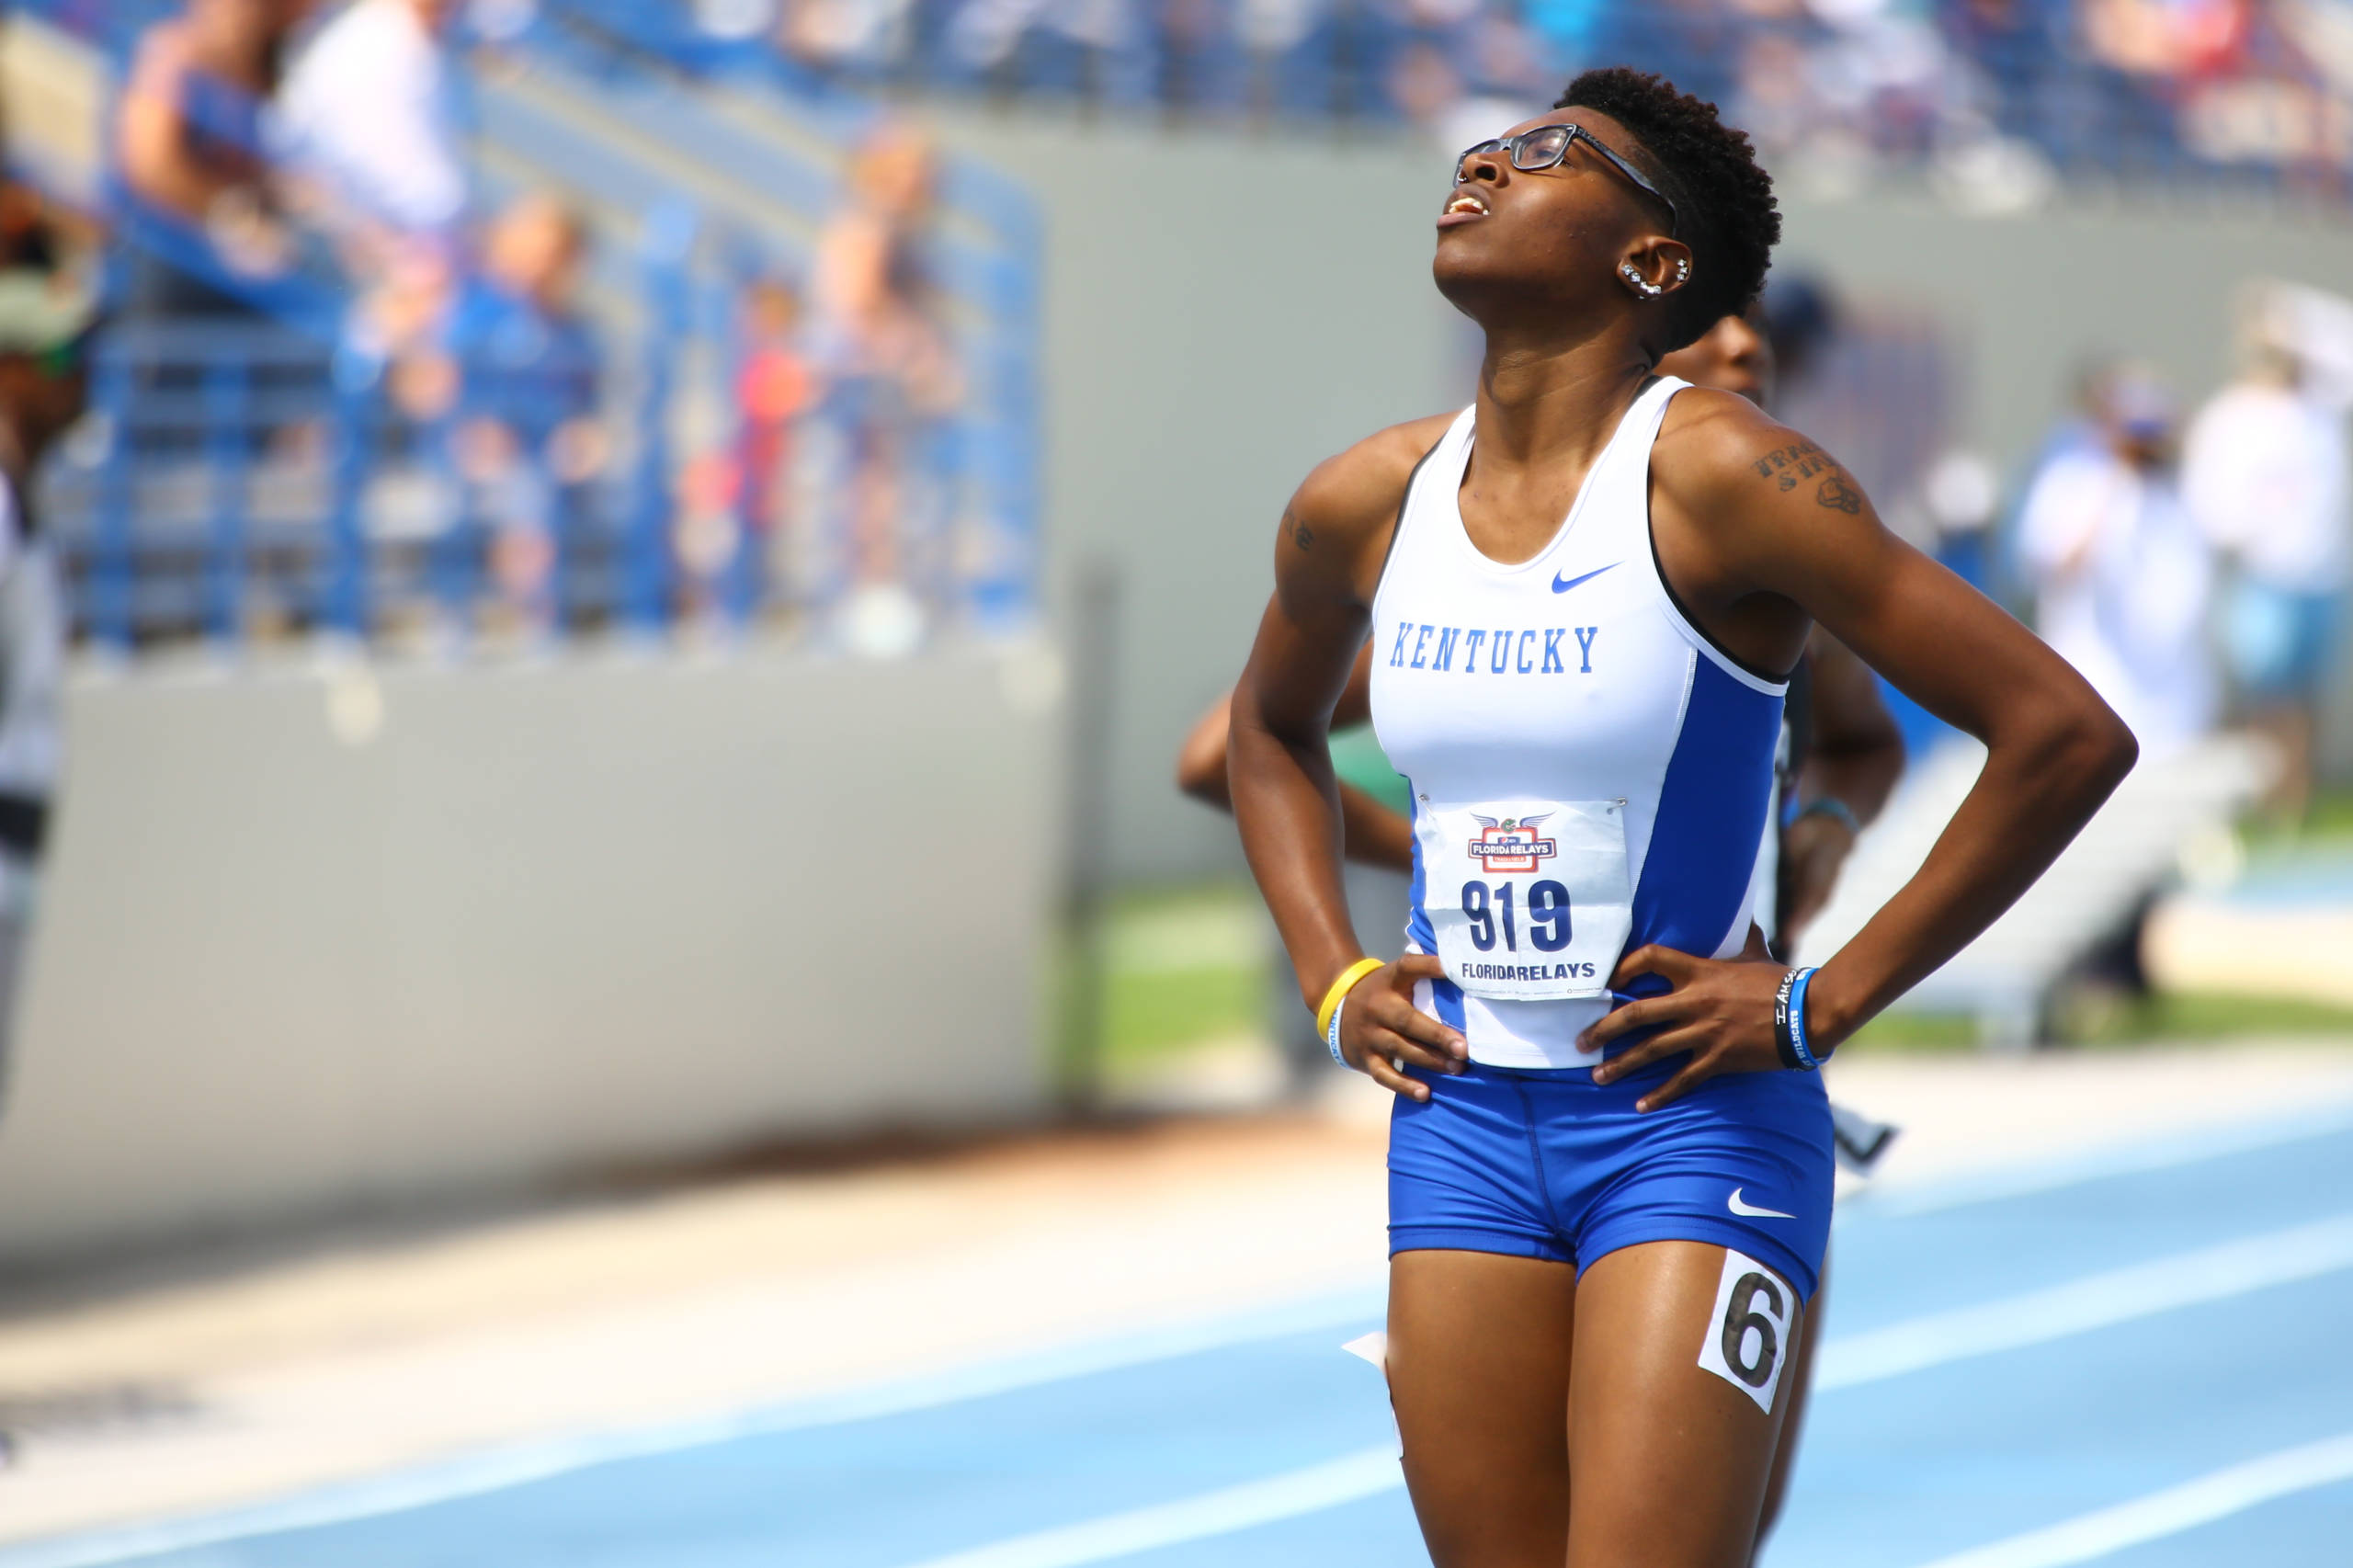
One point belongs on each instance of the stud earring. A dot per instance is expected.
(1641, 285)
(1683, 269)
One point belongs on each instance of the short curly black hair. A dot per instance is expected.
(1723, 200)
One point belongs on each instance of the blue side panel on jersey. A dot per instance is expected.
(1445, 994)
(1711, 806)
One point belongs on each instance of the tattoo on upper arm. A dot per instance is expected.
(1300, 534)
(1787, 467)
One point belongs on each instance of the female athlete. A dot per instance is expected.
(1843, 756)
(1610, 1170)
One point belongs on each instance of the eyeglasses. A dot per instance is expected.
(1544, 147)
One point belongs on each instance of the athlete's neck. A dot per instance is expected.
(1545, 400)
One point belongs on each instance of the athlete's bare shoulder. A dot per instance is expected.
(1718, 455)
(1335, 530)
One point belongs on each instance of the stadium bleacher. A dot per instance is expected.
(273, 480)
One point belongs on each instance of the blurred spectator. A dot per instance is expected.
(187, 139)
(45, 318)
(2166, 38)
(528, 380)
(891, 379)
(2265, 472)
(774, 387)
(833, 34)
(371, 125)
(2123, 578)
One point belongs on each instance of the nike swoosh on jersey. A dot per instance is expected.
(1561, 587)
(1750, 1212)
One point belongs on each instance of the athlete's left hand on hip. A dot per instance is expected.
(1720, 1011)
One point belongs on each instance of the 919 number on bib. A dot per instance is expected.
(1488, 908)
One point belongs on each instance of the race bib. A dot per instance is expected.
(1529, 899)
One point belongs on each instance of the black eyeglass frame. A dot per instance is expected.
(1516, 146)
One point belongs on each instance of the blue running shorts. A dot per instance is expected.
(1551, 1164)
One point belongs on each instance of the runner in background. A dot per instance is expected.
(1841, 756)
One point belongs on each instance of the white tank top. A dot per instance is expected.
(1590, 772)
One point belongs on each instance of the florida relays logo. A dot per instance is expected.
(1511, 845)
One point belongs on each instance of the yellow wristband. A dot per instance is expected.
(1341, 987)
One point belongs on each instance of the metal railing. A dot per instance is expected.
(259, 475)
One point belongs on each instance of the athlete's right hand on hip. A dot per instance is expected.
(1719, 1012)
(1382, 1032)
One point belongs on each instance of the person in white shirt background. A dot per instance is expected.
(46, 317)
(2264, 470)
(2122, 579)
(370, 123)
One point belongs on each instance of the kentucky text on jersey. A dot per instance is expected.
(1495, 708)
(1531, 650)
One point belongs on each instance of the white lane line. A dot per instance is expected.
(1901, 1201)
(2212, 1497)
(2097, 1301)
(1364, 1473)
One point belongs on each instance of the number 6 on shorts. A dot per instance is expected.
(1749, 1333)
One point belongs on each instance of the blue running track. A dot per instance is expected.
(2144, 1361)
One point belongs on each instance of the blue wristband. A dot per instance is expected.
(1799, 1045)
(1332, 1033)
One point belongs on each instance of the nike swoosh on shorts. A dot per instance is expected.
(1561, 587)
(1749, 1212)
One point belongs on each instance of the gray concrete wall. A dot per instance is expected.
(1221, 315)
(527, 923)
(1224, 310)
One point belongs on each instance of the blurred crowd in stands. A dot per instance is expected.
(2193, 560)
(1994, 90)
(2191, 565)
(305, 163)
(484, 401)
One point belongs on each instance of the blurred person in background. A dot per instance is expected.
(528, 378)
(45, 317)
(775, 386)
(188, 147)
(2121, 577)
(2264, 470)
(372, 131)
(890, 381)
